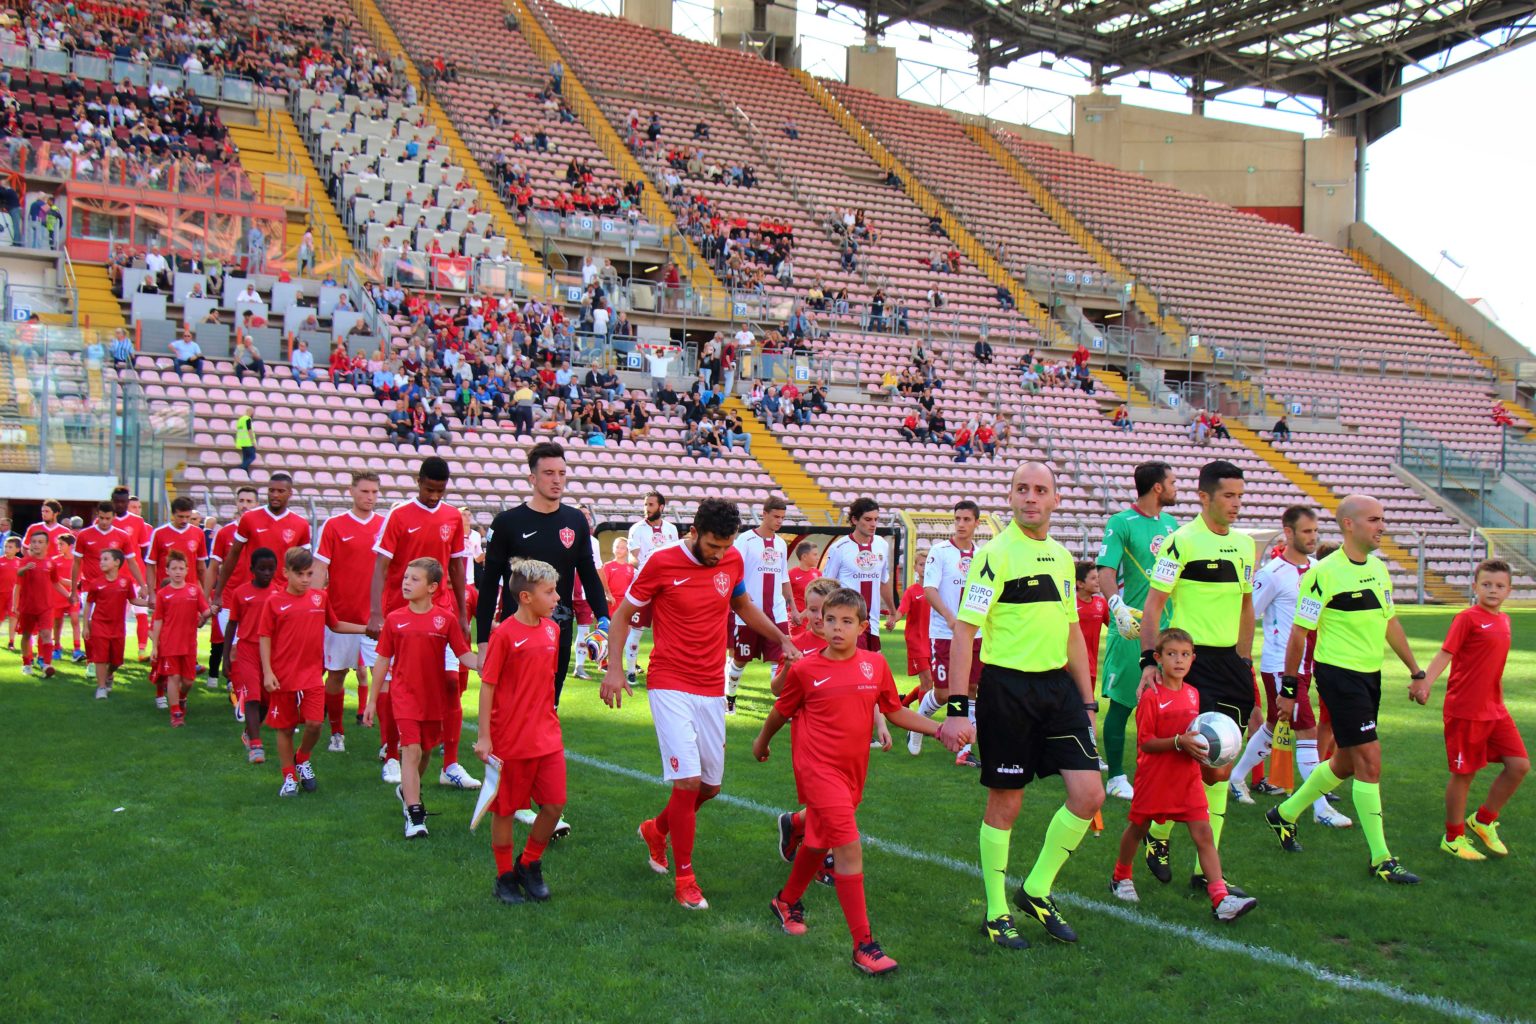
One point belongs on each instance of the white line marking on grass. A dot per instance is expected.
(1215, 943)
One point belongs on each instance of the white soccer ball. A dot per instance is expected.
(597, 644)
(1223, 739)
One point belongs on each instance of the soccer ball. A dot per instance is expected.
(597, 644)
(1223, 739)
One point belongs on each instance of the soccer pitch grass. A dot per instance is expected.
(154, 875)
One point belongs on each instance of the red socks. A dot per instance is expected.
(913, 696)
(1454, 830)
(532, 851)
(1484, 815)
(1122, 871)
(333, 711)
(1257, 775)
(503, 855)
(362, 696)
(1217, 891)
(142, 623)
(300, 756)
(802, 872)
(680, 818)
(850, 894)
(389, 735)
(797, 823)
(453, 728)
(159, 687)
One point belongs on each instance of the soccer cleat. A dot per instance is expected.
(178, 718)
(581, 673)
(390, 773)
(914, 743)
(1266, 788)
(966, 759)
(383, 754)
(562, 829)
(655, 846)
(1119, 787)
(789, 843)
(730, 703)
(26, 670)
(631, 679)
(1332, 819)
(1238, 789)
(525, 817)
(1124, 889)
(337, 744)
(791, 915)
(686, 890)
(1284, 830)
(256, 755)
(824, 876)
(1043, 910)
(871, 959)
(1391, 871)
(78, 656)
(1233, 906)
(531, 878)
(101, 693)
(454, 775)
(506, 889)
(1489, 834)
(358, 718)
(143, 654)
(306, 774)
(1155, 852)
(1001, 932)
(1199, 883)
(162, 703)
(289, 787)
(240, 712)
(1461, 847)
(416, 823)
(212, 682)
(405, 808)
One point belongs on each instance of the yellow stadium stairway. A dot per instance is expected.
(691, 263)
(1068, 222)
(518, 248)
(273, 152)
(97, 305)
(967, 243)
(802, 491)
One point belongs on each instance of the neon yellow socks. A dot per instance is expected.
(1061, 838)
(1368, 803)
(1321, 782)
(994, 869)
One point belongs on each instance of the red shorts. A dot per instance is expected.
(104, 650)
(747, 645)
(287, 709)
(1471, 744)
(250, 689)
(1303, 718)
(215, 634)
(869, 642)
(829, 825)
(183, 665)
(584, 616)
(28, 623)
(918, 661)
(427, 735)
(642, 618)
(941, 653)
(526, 781)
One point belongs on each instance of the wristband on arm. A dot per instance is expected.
(958, 706)
(1288, 686)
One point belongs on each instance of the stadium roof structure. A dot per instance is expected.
(1350, 55)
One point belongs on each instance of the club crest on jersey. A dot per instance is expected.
(445, 531)
(673, 762)
(567, 536)
(549, 632)
(722, 583)
(866, 560)
(868, 670)
(439, 621)
(1157, 544)
(288, 536)
(316, 596)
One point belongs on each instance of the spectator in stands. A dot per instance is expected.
(1122, 419)
(188, 354)
(986, 439)
(938, 431)
(121, 350)
(305, 259)
(1080, 355)
(876, 321)
(247, 359)
(341, 364)
(245, 438)
(157, 269)
(913, 429)
(733, 432)
(1281, 431)
(936, 298)
(1005, 298)
(1218, 428)
(1501, 416)
(791, 129)
(963, 448)
(256, 249)
(303, 364)
(522, 409)
(982, 350)
(1200, 429)
(1083, 377)
(697, 441)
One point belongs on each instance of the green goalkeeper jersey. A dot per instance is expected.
(1132, 540)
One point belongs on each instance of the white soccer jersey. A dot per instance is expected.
(765, 571)
(1275, 589)
(945, 571)
(861, 568)
(645, 540)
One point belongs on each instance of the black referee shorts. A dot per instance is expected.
(1224, 682)
(1353, 700)
(1030, 725)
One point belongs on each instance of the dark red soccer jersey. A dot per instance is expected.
(414, 642)
(1478, 643)
(109, 605)
(295, 624)
(135, 527)
(1167, 785)
(35, 584)
(345, 545)
(91, 542)
(259, 528)
(690, 604)
(165, 539)
(831, 705)
(412, 531)
(520, 665)
(244, 613)
(52, 532)
(177, 610)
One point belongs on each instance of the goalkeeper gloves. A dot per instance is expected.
(1127, 618)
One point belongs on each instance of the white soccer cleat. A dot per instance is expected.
(212, 683)
(525, 817)
(454, 775)
(1239, 791)
(26, 670)
(1233, 907)
(1119, 787)
(416, 829)
(390, 773)
(101, 693)
(162, 703)
(562, 829)
(914, 743)
(1333, 819)
(338, 744)
(1125, 890)
(289, 787)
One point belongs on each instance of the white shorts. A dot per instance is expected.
(450, 661)
(343, 649)
(224, 622)
(691, 733)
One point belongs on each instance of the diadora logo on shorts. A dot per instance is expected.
(1368, 726)
(722, 583)
(567, 536)
(1009, 769)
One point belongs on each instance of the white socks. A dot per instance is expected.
(581, 645)
(928, 705)
(631, 650)
(733, 673)
(1256, 751)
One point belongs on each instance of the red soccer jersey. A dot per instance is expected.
(245, 612)
(8, 567)
(831, 704)
(799, 579)
(412, 531)
(109, 605)
(1091, 615)
(165, 539)
(36, 585)
(259, 528)
(177, 610)
(345, 545)
(1478, 643)
(619, 576)
(1168, 784)
(53, 533)
(690, 607)
(91, 542)
(134, 526)
(914, 605)
(63, 565)
(413, 642)
(223, 537)
(520, 665)
(806, 641)
(295, 624)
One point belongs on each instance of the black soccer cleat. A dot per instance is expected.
(1155, 852)
(1390, 870)
(1285, 830)
(1044, 911)
(788, 843)
(507, 890)
(1002, 932)
(1199, 883)
(531, 878)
